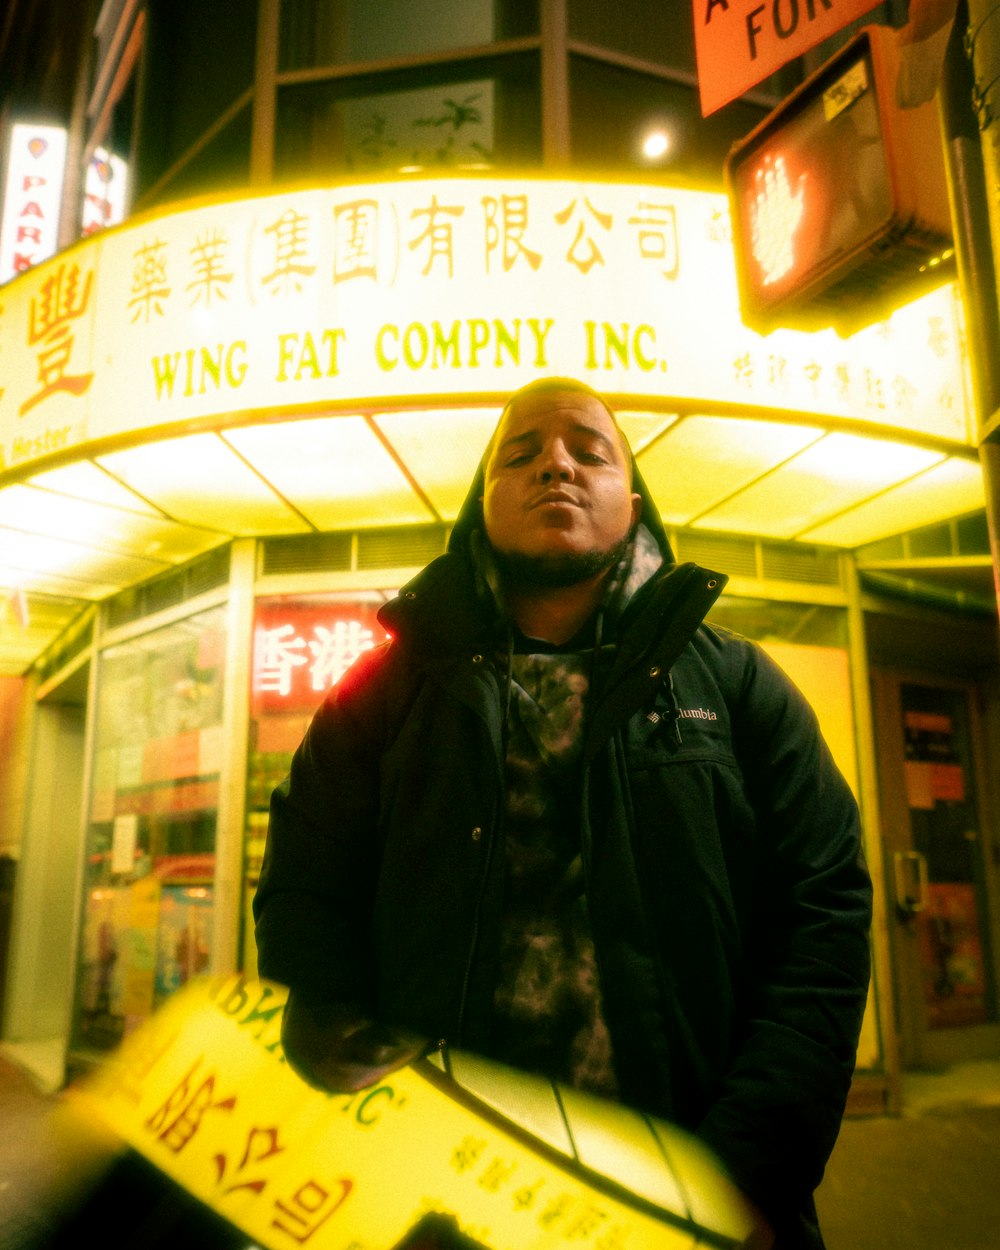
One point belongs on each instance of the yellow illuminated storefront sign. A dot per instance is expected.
(202, 1091)
(433, 290)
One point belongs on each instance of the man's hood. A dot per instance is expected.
(470, 516)
(435, 606)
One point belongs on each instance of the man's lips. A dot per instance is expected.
(556, 497)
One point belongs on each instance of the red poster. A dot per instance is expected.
(948, 782)
(951, 954)
(739, 43)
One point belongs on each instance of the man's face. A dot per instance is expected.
(558, 484)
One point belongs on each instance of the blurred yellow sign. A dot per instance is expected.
(203, 1092)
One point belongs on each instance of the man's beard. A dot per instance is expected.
(554, 572)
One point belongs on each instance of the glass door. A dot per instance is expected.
(150, 850)
(930, 761)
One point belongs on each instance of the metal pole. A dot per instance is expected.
(970, 99)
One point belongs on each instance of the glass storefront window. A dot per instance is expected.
(150, 863)
(614, 111)
(317, 32)
(772, 620)
(653, 32)
(197, 62)
(810, 642)
(223, 164)
(661, 34)
(302, 646)
(951, 939)
(458, 118)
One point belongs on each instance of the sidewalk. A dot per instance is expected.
(28, 1158)
(924, 1181)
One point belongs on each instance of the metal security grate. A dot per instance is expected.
(796, 563)
(170, 589)
(736, 557)
(307, 553)
(759, 559)
(209, 571)
(401, 547)
(77, 636)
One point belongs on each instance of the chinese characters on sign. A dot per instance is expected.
(203, 1092)
(298, 1212)
(300, 651)
(438, 288)
(61, 301)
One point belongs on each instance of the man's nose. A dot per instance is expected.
(555, 463)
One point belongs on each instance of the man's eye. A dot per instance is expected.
(520, 459)
(591, 457)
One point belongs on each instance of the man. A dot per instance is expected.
(560, 821)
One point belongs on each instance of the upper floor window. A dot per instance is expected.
(462, 115)
(342, 32)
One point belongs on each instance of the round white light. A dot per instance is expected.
(655, 144)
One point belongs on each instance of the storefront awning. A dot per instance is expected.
(336, 359)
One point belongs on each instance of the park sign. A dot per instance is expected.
(36, 161)
(739, 43)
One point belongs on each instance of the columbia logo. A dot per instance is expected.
(697, 713)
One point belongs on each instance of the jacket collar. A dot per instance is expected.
(441, 616)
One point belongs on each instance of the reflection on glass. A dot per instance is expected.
(613, 109)
(765, 620)
(317, 32)
(151, 839)
(809, 642)
(951, 938)
(662, 33)
(411, 121)
(302, 647)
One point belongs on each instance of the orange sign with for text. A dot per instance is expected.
(739, 43)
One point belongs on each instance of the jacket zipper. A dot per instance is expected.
(487, 859)
(474, 941)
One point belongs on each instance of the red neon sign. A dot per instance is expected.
(301, 650)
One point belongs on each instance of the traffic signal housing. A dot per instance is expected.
(839, 199)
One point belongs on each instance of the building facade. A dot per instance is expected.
(302, 254)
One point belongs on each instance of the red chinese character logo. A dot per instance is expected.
(262, 1143)
(310, 1206)
(58, 304)
(180, 1117)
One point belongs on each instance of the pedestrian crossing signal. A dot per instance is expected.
(838, 197)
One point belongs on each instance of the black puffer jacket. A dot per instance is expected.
(729, 902)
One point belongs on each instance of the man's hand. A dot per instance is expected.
(762, 1237)
(340, 1048)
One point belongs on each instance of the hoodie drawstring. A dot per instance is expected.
(508, 680)
(673, 710)
(671, 716)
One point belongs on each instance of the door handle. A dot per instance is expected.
(910, 871)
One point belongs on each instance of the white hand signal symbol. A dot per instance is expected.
(775, 215)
